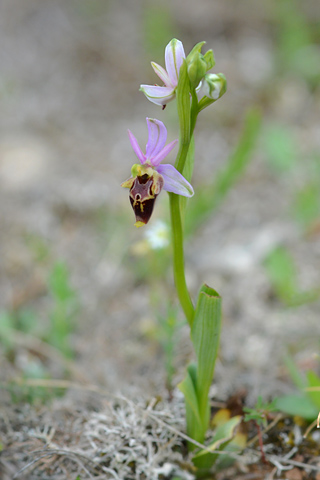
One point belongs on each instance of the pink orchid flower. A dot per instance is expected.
(174, 56)
(149, 178)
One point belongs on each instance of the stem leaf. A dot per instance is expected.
(223, 435)
(189, 389)
(205, 335)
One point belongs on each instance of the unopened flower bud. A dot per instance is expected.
(197, 68)
(214, 85)
(209, 58)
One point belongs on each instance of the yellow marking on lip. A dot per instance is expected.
(139, 224)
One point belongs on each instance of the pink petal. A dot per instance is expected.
(164, 152)
(157, 137)
(162, 74)
(174, 56)
(174, 181)
(136, 148)
(158, 95)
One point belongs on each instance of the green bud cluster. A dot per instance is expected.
(199, 64)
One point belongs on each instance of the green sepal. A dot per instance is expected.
(206, 101)
(197, 68)
(209, 59)
(205, 335)
(222, 437)
(196, 49)
(199, 64)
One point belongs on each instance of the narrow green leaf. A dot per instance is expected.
(195, 427)
(314, 381)
(282, 272)
(205, 335)
(297, 404)
(223, 435)
(296, 376)
(189, 389)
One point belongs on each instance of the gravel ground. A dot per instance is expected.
(69, 79)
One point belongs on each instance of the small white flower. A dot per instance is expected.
(158, 235)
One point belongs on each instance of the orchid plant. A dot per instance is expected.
(186, 80)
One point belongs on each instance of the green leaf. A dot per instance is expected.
(188, 387)
(282, 273)
(223, 435)
(306, 205)
(59, 283)
(280, 147)
(295, 374)
(313, 381)
(297, 404)
(205, 335)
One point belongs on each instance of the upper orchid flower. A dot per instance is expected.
(149, 178)
(174, 56)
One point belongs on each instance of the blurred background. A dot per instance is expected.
(86, 296)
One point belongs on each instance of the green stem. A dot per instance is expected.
(178, 258)
(182, 155)
(175, 212)
(194, 111)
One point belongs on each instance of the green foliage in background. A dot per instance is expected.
(22, 328)
(209, 197)
(282, 272)
(158, 28)
(280, 148)
(297, 49)
(64, 306)
(168, 334)
(306, 203)
(260, 412)
(305, 403)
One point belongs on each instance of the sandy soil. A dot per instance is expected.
(69, 80)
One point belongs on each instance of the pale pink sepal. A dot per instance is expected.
(175, 182)
(158, 95)
(162, 74)
(137, 150)
(157, 137)
(174, 56)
